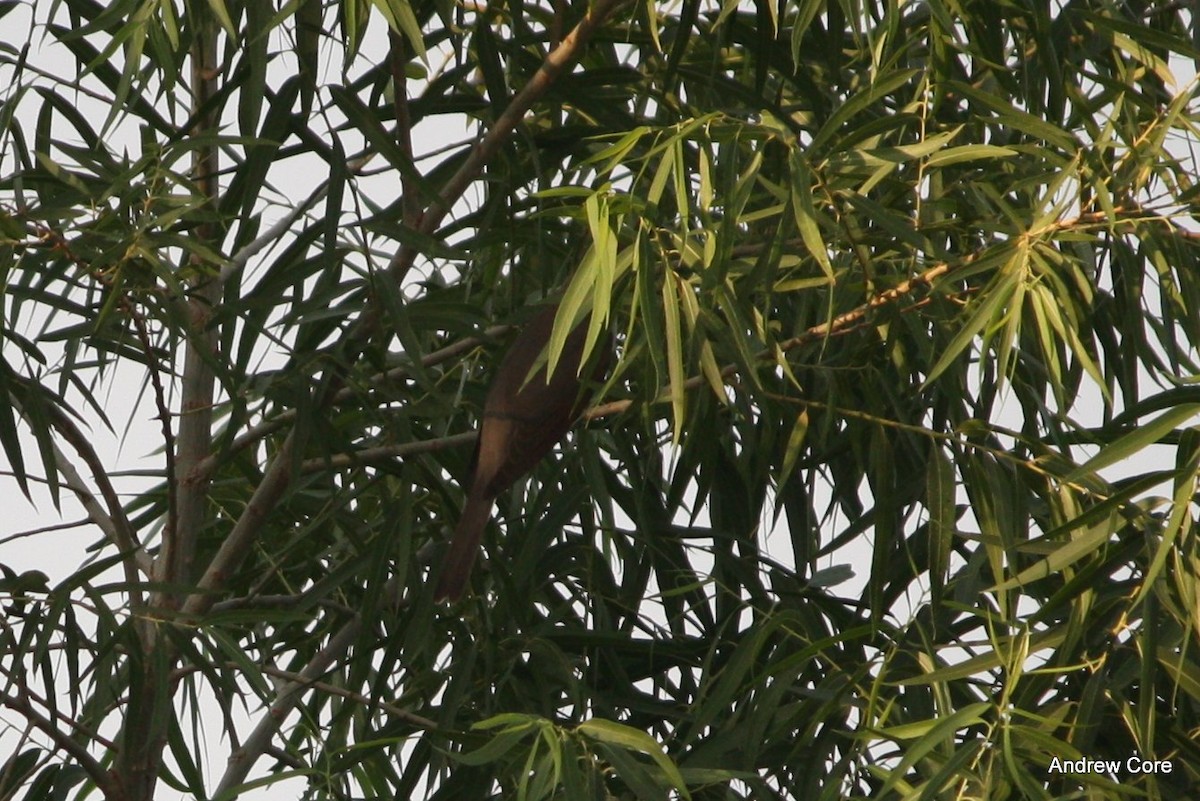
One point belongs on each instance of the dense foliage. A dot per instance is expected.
(892, 493)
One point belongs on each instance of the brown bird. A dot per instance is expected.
(522, 421)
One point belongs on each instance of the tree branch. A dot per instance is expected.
(288, 697)
(272, 235)
(148, 715)
(110, 787)
(196, 408)
(385, 453)
(245, 530)
(164, 418)
(557, 60)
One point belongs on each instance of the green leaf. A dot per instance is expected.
(675, 367)
(940, 496)
(1062, 557)
(985, 314)
(1135, 441)
(930, 734)
(400, 17)
(805, 214)
(968, 153)
(221, 12)
(627, 738)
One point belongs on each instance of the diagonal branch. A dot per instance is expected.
(287, 698)
(247, 528)
(387, 453)
(272, 235)
(108, 785)
(557, 60)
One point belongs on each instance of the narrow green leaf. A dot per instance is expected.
(995, 298)
(221, 12)
(400, 17)
(964, 153)
(631, 739)
(883, 85)
(1062, 557)
(933, 734)
(989, 661)
(940, 495)
(1180, 522)
(675, 368)
(9, 439)
(805, 213)
(1017, 118)
(1126, 446)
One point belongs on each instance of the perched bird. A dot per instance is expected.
(522, 421)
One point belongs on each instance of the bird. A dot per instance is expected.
(522, 422)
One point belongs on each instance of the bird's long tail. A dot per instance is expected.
(464, 546)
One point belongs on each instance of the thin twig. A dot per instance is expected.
(29, 695)
(387, 453)
(273, 234)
